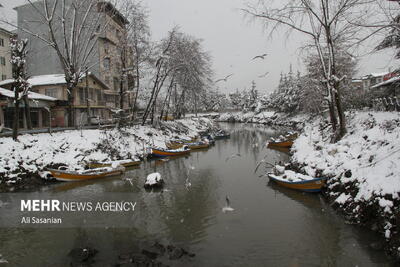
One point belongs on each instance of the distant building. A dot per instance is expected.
(5, 54)
(357, 84)
(105, 60)
(39, 106)
(101, 99)
(371, 79)
(388, 88)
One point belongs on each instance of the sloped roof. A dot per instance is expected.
(50, 79)
(391, 80)
(31, 95)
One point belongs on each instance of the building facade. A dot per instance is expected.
(5, 55)
(110, 60)
(90, 89)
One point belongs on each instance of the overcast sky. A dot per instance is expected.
(232, 41)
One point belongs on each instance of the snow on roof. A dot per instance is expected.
(49, 79)
(40, 80)
(31, 95)
(375, 75)
(379, 74)
(391, 80)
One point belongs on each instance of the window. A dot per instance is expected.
(3, 61)
(82, 95)
(106, 47)
(107, 80)
(99, 98)
(3, 77)
(53, 92)
(1, 42)
(107, 63)
(116, 84)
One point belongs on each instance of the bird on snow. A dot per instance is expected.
(224, 79)
(232, 156)
(264, 75)
(228, 207)
(260, 56)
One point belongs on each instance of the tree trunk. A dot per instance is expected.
(16, 115)
(71, 115)
(121, 93)
(27, 110)
(137, 90)
(341, 115)
(87, 98)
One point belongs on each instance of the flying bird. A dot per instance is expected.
(264, 75)
(232, 156)
(228, 207)
(224, 79)
(260, 56)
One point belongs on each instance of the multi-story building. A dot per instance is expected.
(91, 89)
(5, 54)
(105, 61)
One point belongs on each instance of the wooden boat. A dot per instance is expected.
(297, 181)
(126, 163)
(71, 176)
(282, 149)
(192, 146)
(159, 152)
(221, 135)
(198, 145)
(285, 143)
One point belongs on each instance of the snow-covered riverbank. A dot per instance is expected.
(33, 153)
(265, 117)
(364, 168)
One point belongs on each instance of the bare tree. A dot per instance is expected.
(326, 23)
(72, 27)
(21, 86)
(137, 40)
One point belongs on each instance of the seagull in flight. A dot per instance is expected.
(260, 56)
(264, 75)
(232, 156)
(224, 79)
(228, 207)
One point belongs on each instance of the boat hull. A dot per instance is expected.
(191, 146)
(219, 137)
(165, 153)
(101, 165)
(312, 186)
(65, 176)
(287, 143)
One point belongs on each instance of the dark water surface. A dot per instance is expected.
(270, 226)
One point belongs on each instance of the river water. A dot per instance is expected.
(269, 226)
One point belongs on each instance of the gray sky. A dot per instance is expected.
(233, 41)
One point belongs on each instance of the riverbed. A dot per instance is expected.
(269, 225)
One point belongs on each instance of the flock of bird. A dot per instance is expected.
(262, 57)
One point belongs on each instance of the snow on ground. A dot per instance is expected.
(364, 165)
(265, 117)
(33, 153)
(370, 150)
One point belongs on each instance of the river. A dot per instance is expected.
(269, 226)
